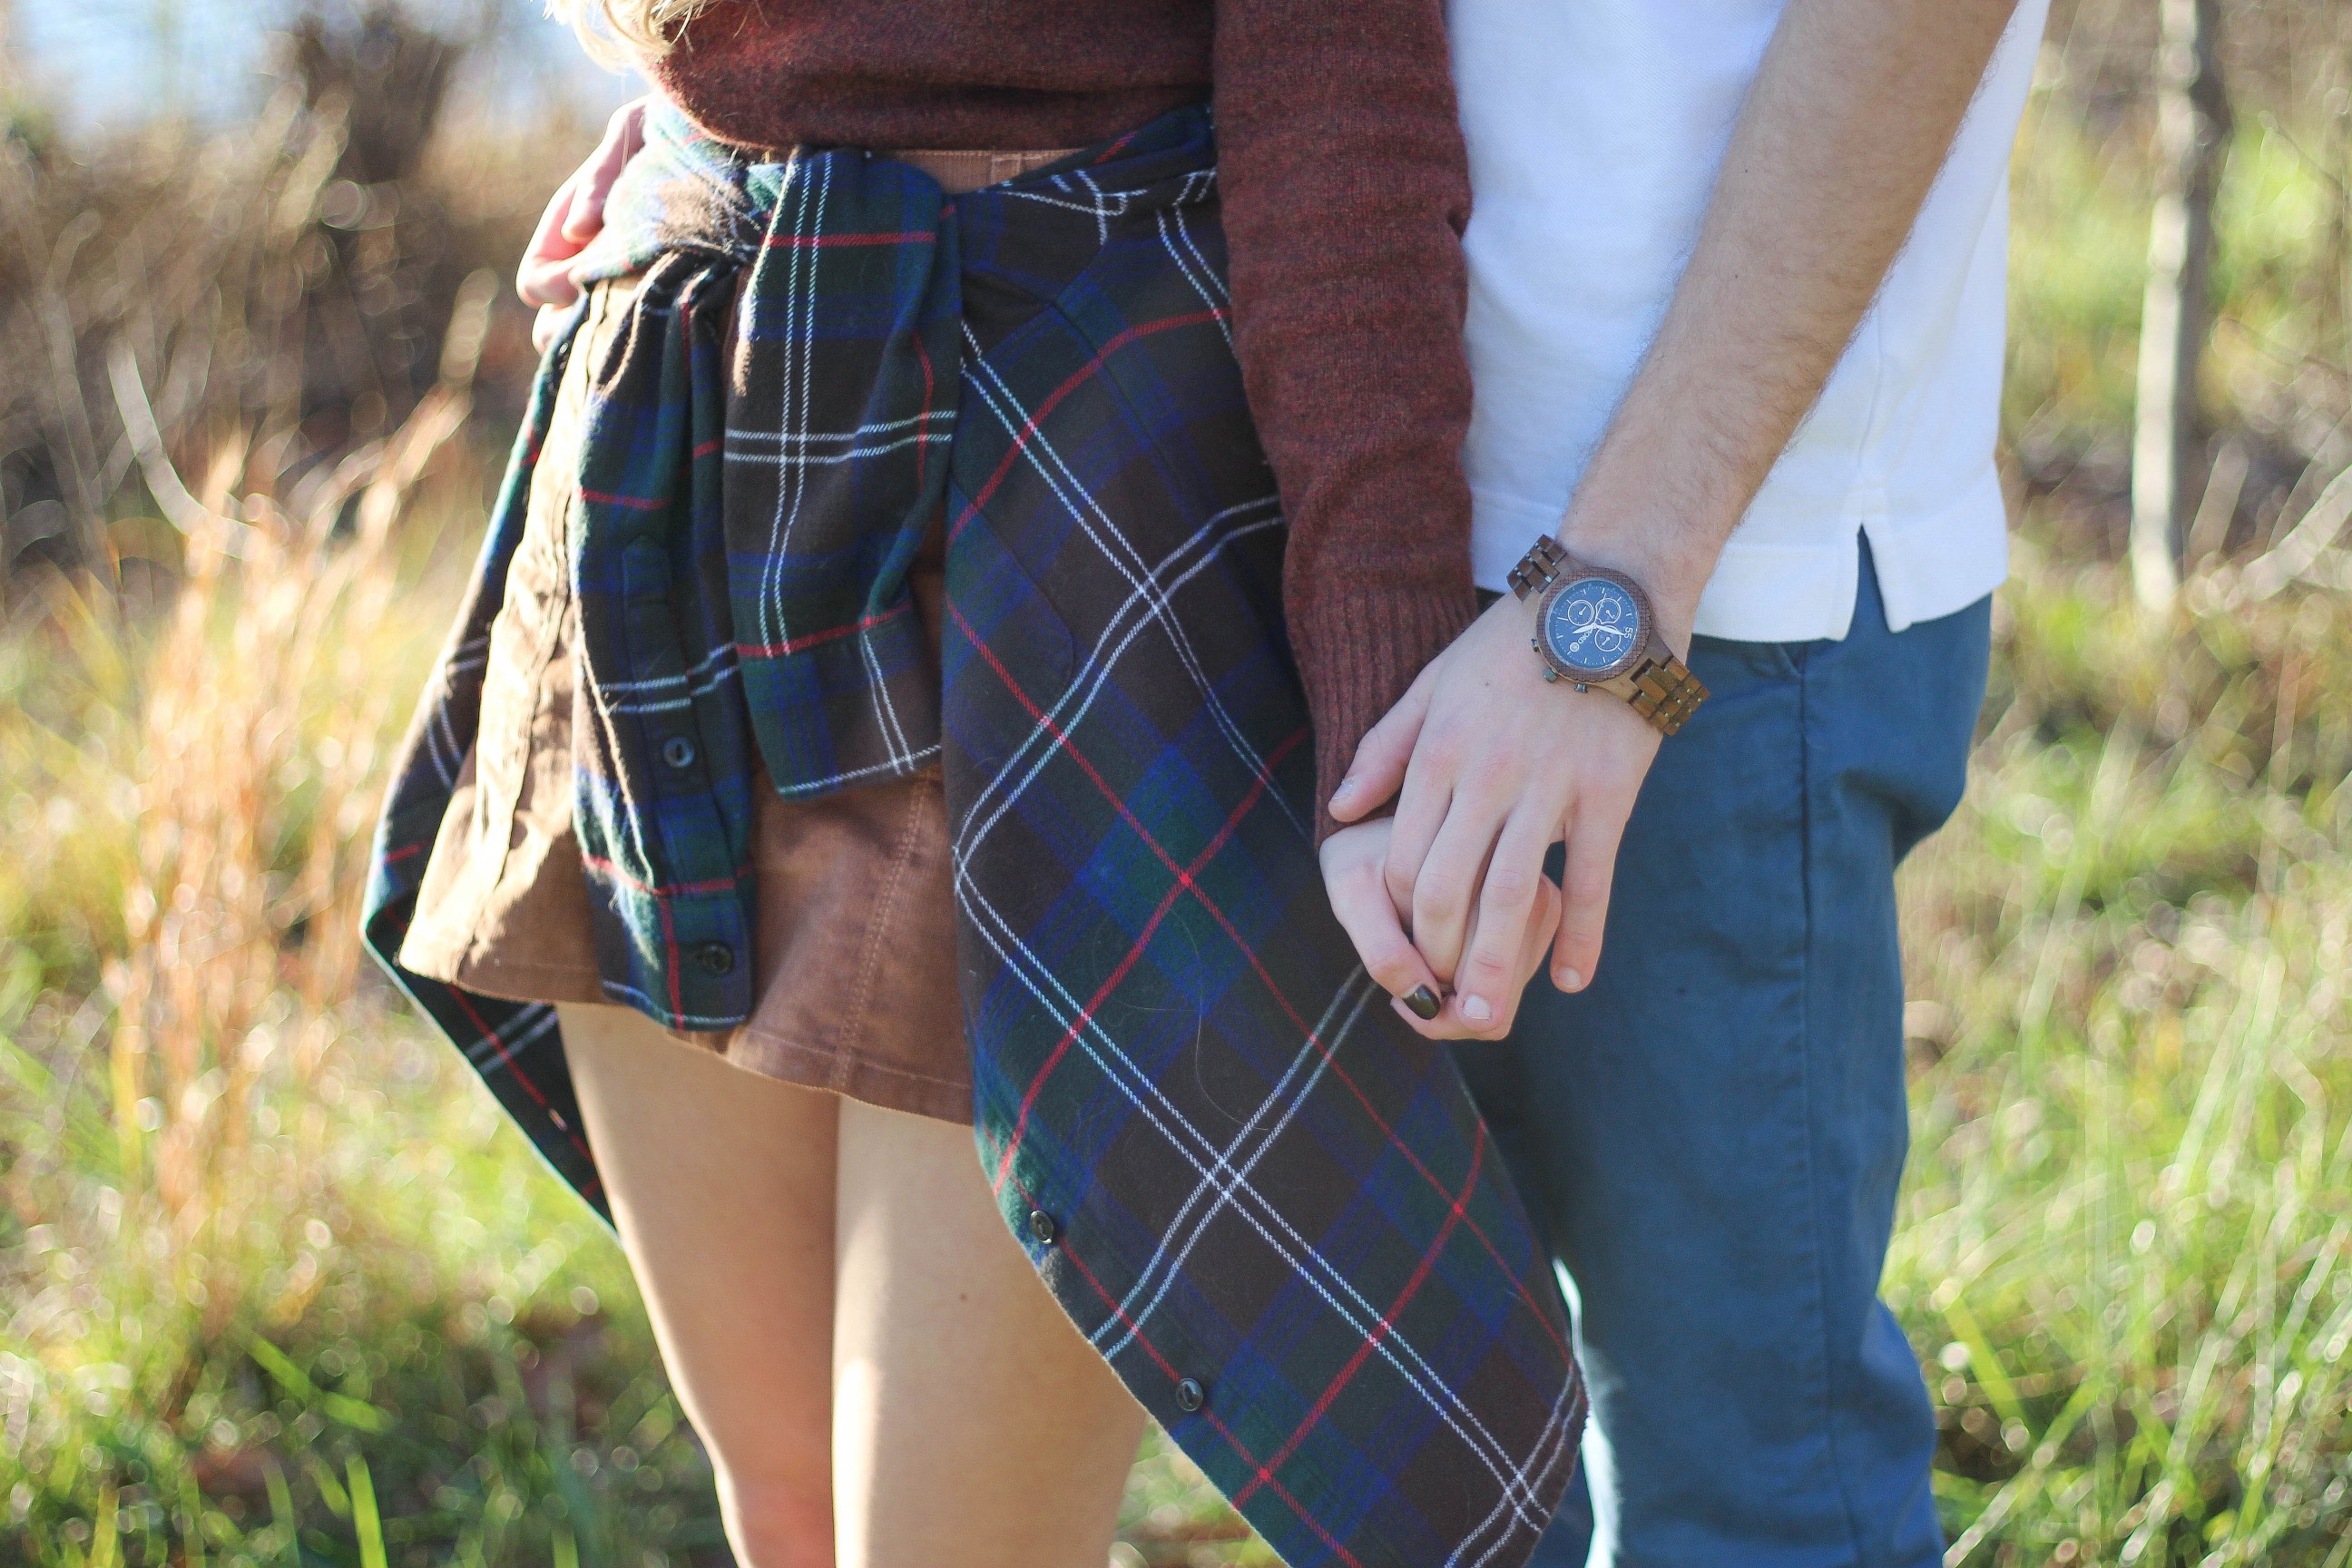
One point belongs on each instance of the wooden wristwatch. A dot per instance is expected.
(1593, 627)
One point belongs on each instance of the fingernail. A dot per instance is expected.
(1347, 787)
(1423, 1002)
(1475, 1009)
(1569, 980)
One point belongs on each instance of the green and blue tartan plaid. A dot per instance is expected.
(1270, 1207)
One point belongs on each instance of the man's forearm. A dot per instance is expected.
(1850, 118)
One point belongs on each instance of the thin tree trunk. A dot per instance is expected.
(2192, 132)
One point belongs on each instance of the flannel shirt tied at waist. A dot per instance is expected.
(741, 574)
(1266, 1204)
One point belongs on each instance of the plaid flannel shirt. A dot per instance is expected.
(1270, 1207)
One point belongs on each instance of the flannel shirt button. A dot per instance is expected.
(1190, 1396)
(1044, 1228)
(716, 958)
(678, 752)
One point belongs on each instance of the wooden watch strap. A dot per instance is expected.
(1538, 567)
(1664, 692)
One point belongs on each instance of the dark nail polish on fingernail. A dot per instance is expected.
(1423, 1002)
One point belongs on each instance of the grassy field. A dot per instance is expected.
(278, 1287)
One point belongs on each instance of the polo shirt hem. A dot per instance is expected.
(1931, 565)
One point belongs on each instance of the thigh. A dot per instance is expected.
(1657, 1122)
(1715, 1130)
(971, 1424)
(721, 1185)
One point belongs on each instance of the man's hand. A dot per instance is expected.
(1355, 872)
(574, 218)
(1849, 119)
(1498, 764)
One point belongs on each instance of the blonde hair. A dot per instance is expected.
(613, 30)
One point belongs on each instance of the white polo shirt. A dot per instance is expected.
(1596, 129)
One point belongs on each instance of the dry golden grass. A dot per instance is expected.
(279, 1286)
(277, 1282)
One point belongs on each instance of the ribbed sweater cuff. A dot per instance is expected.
(1358, 649)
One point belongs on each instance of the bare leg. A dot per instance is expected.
(921, 1401)
(972, 1425)
(722, 1185)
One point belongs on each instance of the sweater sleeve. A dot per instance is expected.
(1345, 187)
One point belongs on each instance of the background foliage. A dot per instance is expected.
(277, 1284)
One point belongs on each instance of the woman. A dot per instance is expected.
(876, 679)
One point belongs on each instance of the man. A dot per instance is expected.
(1735, 325)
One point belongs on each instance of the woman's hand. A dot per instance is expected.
(1355, 874)
(1497, 764)
(574, 218)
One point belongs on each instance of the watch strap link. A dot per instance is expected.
(1664, 692)
(1538, 567)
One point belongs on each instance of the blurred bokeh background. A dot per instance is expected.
(278, 1287)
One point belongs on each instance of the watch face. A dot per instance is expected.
(1592, 626)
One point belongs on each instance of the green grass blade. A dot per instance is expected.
(365, 1522)
(298, 1386)
(282, 1518)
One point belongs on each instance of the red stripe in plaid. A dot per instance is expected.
(1077, 378)
(796, 645)
(1322, 1405)
(505, 1061)
(923, 432)
(636, 503)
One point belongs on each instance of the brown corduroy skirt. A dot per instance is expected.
(856, 966)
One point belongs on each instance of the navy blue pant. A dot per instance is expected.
(1712, 1133)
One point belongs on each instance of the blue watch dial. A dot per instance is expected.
(1592, 625)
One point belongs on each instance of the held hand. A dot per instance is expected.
(1497, 766)
(1355, 874)
(574, 218)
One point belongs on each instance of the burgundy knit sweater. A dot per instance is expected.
(1345, 189)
